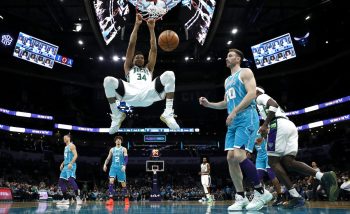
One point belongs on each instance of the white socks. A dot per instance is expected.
(319, 175)
(114, 108)
(293, 192)
(169, 105)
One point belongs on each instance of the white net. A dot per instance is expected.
(152, 11)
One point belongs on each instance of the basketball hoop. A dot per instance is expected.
(151, 9)
(155, 169)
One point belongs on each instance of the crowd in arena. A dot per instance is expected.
(26, 187)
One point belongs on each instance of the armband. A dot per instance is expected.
(273, 109)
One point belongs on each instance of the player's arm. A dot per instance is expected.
(62, 165)
(270, 104)
(248, 80)
(75, 154)
(219, 105)
(108, 157)
(132, 44)
(107, 160)
(152, 55)
(208, 168)
(126, 158)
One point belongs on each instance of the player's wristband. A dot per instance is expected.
(126, 158)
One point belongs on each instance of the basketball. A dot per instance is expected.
(168, 40)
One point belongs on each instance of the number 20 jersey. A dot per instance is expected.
(235, 92)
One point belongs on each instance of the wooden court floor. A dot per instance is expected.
(145, 207)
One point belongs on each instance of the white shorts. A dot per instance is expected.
(286, 139)
(206, 180)
(141, 96)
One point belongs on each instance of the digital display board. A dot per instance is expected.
(35, 50)
(154, 138)
(273, 51)
(64, 60)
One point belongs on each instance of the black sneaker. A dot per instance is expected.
(278, 201)
(295, 202)
(330, 183)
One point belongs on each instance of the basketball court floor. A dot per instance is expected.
(145, 207)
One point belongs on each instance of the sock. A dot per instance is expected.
(249, 170)
(62, 185)
(124, 191)
(73, 184)
(280, 196)
(259, 189)
(241, 194)
(65, 196)
(207, 195)
(319, 175)
(111, 189)
(169, 104)
(293, 192)
(114, 108)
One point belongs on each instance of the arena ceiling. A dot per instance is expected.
(256, 21)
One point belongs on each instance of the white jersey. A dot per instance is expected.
(139, 76)
(204, 168)
(261, 102)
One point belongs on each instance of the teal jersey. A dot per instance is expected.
(262, 151)
(68, 155)
(117, 156)
(235, 92)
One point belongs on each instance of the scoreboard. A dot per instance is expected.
(64, 60)
(35, 50)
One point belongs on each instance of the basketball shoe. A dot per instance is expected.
(168, 118)
(110, 201)
(240, 203)
(294, 202)
(78, 199)
(330, 183)
(63, 202)
(116, 122)
(259, 200)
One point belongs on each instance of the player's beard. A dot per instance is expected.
(231, 65)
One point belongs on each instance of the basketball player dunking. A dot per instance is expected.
(140, 90)
(206, 180)
(119, 155)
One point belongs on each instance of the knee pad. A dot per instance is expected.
(113, 85)
(110, 82)
(168, 81)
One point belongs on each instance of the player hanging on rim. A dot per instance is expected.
(140, 90)
(119, 155)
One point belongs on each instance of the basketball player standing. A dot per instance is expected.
(243, 124)
(140, 90)
(119, 155)
(68, 168)
(206, 180)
